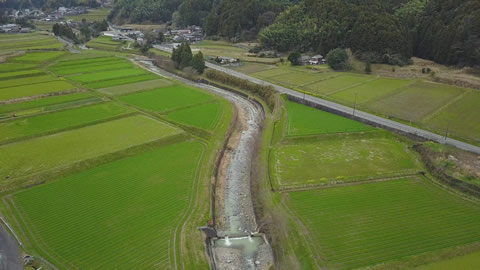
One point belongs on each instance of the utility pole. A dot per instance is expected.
(446, 132)
(355, 104)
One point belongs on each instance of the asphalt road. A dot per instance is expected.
(360, 114)
(10, 258)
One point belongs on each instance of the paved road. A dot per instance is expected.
(360, 114)
(10, 258)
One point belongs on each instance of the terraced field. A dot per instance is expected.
(65, 148)
(52, 122)
(459, 117)
(119, 215)
(135, 87)
(361, 225)
(167, 99)
(205, 116)
(414, 102)
(304, 120)
(72, 141)
(102, 71)
(324, 161)
(44, 104)
(29, 90)
(28, 41)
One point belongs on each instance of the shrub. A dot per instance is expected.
(337, 59)
(266, 93)
(294, 58)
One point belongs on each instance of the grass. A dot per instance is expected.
(107, 75)
(27, 81)
(249, 68)
(204, 116)
(135, 87)
(67, 62)
(43, 102)
(34, 89)
(166, 99)
(119, 215)
(417, 101)
(466, 262)
(63, 149)
(20, 74)
(362, 225)
(52, 122)
(93, 67)
(106, 43)
(122, 81)
(37, 57)
(304, 120)
(462, 115)
(371, 90)
(9, 67)
(336, 83)
(341, 158)
(30, 42)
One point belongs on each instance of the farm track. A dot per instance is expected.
(238, 213)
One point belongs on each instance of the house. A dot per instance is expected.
(316, 60)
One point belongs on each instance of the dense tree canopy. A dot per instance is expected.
(447, 31)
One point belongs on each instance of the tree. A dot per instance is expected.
(182, 56)
(198, 63)
(294, 58)
(337, 58)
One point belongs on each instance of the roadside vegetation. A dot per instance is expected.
(429, 105)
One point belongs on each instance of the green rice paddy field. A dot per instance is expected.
(167, 99)
(121, 215)
(304, 120)
(181, 104)
(61, 149)
(140, 195)
(51, 122)
(34, 89)
(326, 160)
(135, 87)
(102, 71)
(28, 41)
(415, 102)
(365, 224)
(43, 103)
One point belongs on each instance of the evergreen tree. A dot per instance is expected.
(198, 63)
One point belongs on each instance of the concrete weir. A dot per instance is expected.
(234, 242)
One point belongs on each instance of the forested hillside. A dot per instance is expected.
(45, 4)
(446, 31)
(240, 19)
